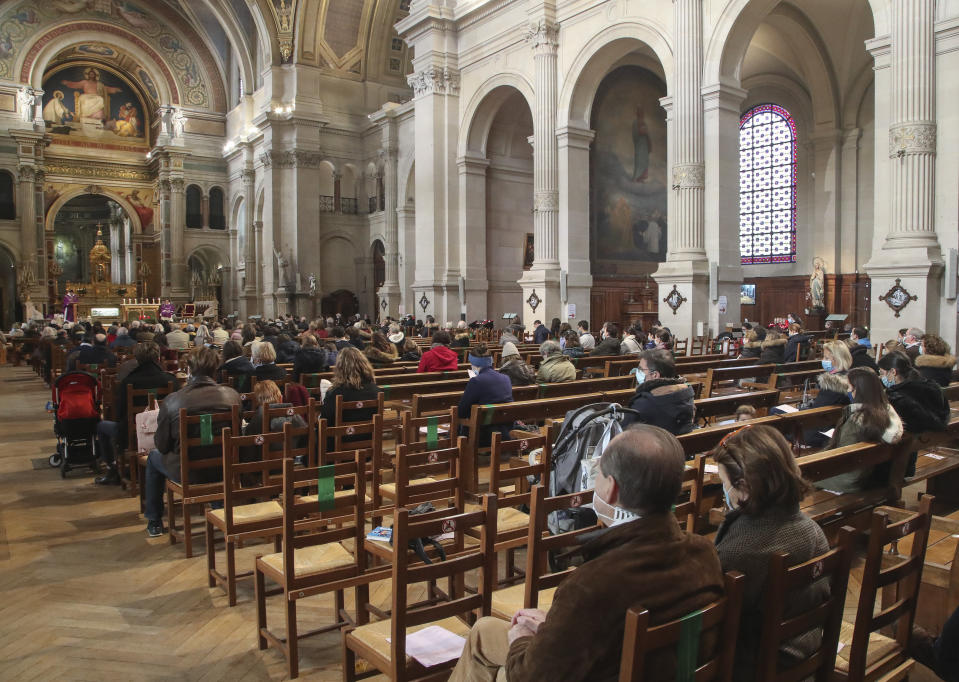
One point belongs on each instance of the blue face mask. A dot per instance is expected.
(887, 382)
(921, 351)
(640, 377)
(849, 395)
(827, 365)
(729, 503)
(863, 342)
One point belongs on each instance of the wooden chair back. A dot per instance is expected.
(891, 573)
(509, 466)
(779, 627)
(681, 347)
(140, 400)
(430, 476)
(459, 562)
(432, 433)
(687, 513)
(201, 450)
(336, 442)
(323, 505)
(252, 471)
(348, 408)
(302, 440)
(685, 635)
(540, 542)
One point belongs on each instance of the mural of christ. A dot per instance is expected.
(93, 100)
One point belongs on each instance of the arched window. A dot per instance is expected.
(194, 206)
(8, 207)
(767, 186)
(217, 219)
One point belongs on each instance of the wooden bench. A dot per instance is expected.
(757, 374)
(722, 406)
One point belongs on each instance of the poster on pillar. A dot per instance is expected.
(628, 189)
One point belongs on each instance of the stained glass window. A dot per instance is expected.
(767, 186)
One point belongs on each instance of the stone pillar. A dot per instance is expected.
(472, 176)
(826, 168)
(686, 267)
(180, 279)
(849, 256)
(573, 145)
(249, 244)
(205, 210)
(911, 252)
(337, 192)
(27, 273)
(166, 272)
(128, 274)
(116, 251)
(406, 219)
(721, 111)
(391, 289)
(543, 278)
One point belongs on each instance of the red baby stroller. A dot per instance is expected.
(76, 409)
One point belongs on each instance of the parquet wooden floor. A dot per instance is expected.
(86, 595)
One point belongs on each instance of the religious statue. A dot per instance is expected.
(69, 302)
(817, 284)
(312, 284)
(55, 112)
(100, 258)
(167, 310)
(283, 265)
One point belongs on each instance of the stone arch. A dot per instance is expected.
(105, 191)
(483, 106)
(733, 30)
(597, 58)
(325, 184)
(348, 182)
(59, 38)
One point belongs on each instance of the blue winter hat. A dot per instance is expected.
(480, 360)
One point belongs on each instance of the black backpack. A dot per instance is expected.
(417, 544)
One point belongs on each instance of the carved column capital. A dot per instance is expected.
(689, 176)
(546, 201)
(543, 35)
(914, 137)
(435, 80)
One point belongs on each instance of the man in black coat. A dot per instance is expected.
(611, 343)
(662, 398)
(92, 351)
(112, 435)
(540, 332)
(861, 356)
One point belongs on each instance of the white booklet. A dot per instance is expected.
(434, 645)
(786, 408)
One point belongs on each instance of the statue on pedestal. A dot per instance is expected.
(283, 266)
(817, 284)
(312, 284)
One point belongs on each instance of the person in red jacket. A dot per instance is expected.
(439, 358)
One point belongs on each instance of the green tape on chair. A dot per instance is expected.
(93, 367)
(687, 651)
(386, 391)
(206, 429)
(152, 393)
(432, 437)
(541, 393)
(325, 486)
(488, 411)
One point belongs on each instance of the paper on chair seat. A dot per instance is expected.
(434, 645)
(786, 408)
(711, 468)
(828, 434)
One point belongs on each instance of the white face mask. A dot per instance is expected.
(608, 516)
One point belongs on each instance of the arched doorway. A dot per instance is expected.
(75, 231)
(341, 302)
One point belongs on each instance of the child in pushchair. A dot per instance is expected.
(76, 409)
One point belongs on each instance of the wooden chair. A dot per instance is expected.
(866, 654)
(541, 581)
(779, 627)
(248, 508)
(509, 467)
(681, 347)
(687, 513)
(684, 635)
(344, 406)
(434, 432)
(383, 643)
(201, 469)
(313, 559)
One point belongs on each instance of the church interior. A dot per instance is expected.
(711, 181)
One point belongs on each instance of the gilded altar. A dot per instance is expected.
(101, 298)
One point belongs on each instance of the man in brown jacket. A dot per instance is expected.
(647, 562)
(200, 395)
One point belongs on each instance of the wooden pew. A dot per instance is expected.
(754, 373)
(722, 406)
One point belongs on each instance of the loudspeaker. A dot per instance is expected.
(713, 281)
(562, 287)
(952, 272)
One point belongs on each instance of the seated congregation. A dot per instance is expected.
(578, 506)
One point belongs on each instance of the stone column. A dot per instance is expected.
(391, 289)
(180, 279)
(472, 176)
(337, 192)
(911, 252)
(205, 210)
(166, 271)
(574, 144)
(116, 251)
(849, 255)
(249, 243)
(27, 274)
(721, 111)
(686, 267)
(544, 276)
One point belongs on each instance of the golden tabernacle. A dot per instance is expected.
(101, 298)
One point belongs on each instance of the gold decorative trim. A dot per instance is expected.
(82, 170)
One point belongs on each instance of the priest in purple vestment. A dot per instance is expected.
(69, 302)
(167, 310)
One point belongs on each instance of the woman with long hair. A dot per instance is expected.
(380, 352)
(869, 418)
(935, 361)
(353, 379)
(763, 488)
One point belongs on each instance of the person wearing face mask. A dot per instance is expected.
(868, 419)
(763, 487)
(610, 344)
(911, 342)
(649, 560)
(861, 357)
(797, 344)
(485, 387)
(662, 398)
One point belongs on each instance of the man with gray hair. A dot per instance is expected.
(123, 339)
(646, 561)
(555, 367)
(912, 342)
